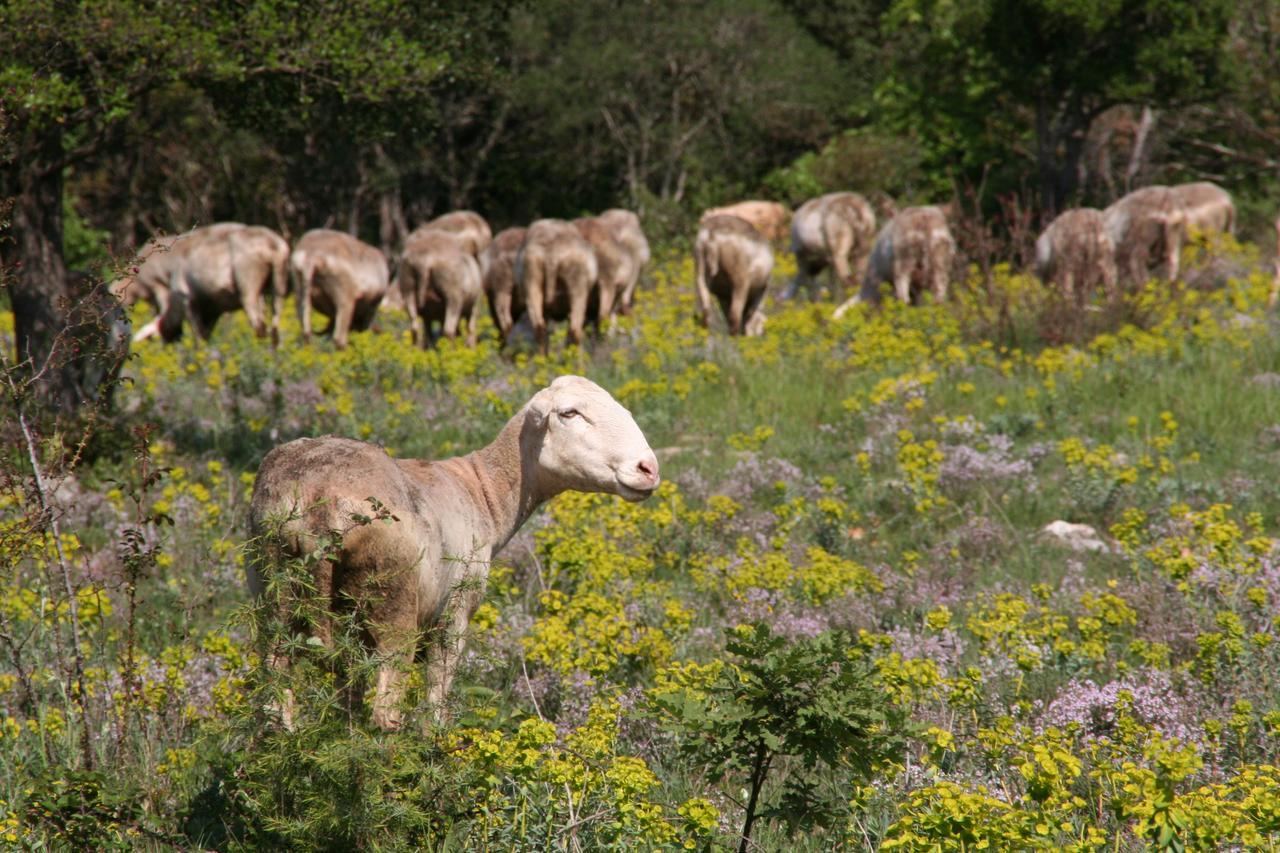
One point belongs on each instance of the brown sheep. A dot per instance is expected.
(440, 283)
(427, 569)
(1076, 253)
(1147, 227)
(498, 264)
(770, 218)
(732, 261)
(555, 273)
(341, 277)
(223, 267)
(832, 231)
(626, 230)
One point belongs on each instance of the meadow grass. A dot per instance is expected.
(881, 480)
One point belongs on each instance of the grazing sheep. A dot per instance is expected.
(626, 230)
(440, 283)
(914, 250)
(832, 231)
(341, 277)
(149, 281)
(771, 219)
(1147, 227)
(221, 268)
(615, 268)
(1076, 253)
(732, 261)
(498, 263)
(1207, 207)
(427, 568)
(555, 274)
(469, 227)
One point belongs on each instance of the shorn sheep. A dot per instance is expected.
(341, 277)
(427, 569)
(732, 262)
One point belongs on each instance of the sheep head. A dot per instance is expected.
(580, 438)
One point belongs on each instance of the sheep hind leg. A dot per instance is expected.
(446, 651)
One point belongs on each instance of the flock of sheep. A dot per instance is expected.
(586, 270)
(426, 571)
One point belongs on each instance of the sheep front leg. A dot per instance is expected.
(842, 275)
(704, 292)
(344, 311)
(737, 305)
(578, 313)
(442, 662)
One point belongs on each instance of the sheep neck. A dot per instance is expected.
(508, 483)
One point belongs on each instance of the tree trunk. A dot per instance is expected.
(70, 334)
(40, 290)
(1046, 160)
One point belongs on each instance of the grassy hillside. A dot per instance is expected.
(843, 571)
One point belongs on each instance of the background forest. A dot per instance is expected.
(374, 115)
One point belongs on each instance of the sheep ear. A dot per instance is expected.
(539, 407)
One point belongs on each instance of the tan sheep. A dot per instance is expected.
(626, 230)
(615, 268)
(555, 273)
(469, 227)
(832, 231)
(222, 267)
(498, 264)
(341, 277)
(770, 218)
(1207, 206)
(1147, 227)
(732, 262)
(427, 569)
(914, 250)
(440, 283)
(1076, 254)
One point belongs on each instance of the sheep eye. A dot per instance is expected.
(566, 414)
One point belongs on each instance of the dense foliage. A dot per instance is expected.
(838, 609)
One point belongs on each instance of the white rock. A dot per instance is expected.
(1077, 537)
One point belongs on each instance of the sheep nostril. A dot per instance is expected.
(648, 467)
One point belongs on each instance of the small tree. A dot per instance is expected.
(814, 701)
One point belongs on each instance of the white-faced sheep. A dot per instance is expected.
(427, 569)
(732, 262)
(342, 278)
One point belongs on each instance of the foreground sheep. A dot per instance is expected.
(220, 268)
(341, 277)
(498, 263)
(1147, 227)
(914, 251)
(1076, 254)
(555, 274)
(627, 231)
(428, 568)
(732, 261)
(440, 282)
(832, 231)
